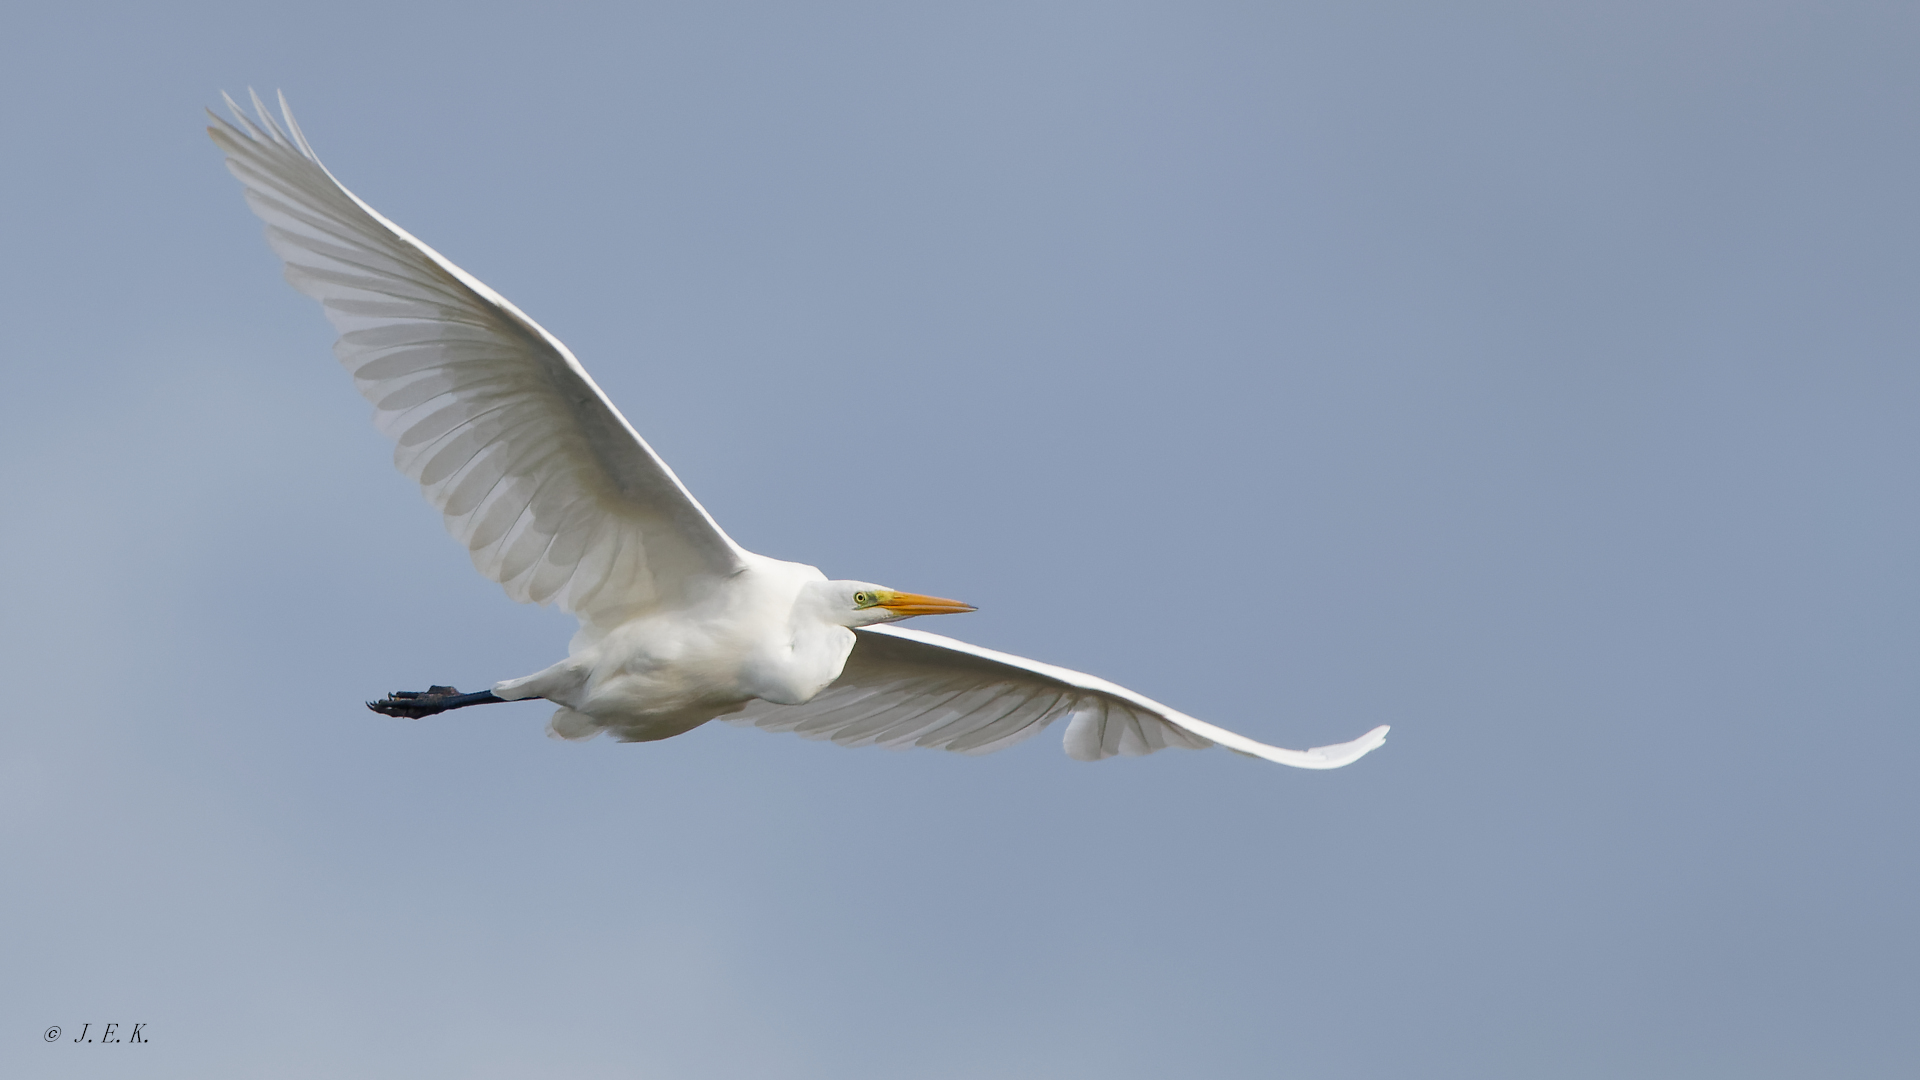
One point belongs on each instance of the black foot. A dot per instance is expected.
(414, 704)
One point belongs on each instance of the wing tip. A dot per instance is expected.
(1353, 750)
(262, 128)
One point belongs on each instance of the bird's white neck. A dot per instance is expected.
(816, 649)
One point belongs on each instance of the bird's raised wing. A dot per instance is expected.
(906, 688)
(557, 498)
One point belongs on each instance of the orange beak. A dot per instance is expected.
(906, 603)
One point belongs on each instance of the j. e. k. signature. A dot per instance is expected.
(111, 1033)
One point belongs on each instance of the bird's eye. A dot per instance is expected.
(862, 599)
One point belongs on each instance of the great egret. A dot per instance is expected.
(560, 501)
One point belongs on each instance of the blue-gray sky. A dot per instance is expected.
(1539, 379)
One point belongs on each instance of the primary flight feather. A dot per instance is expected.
(559, 500)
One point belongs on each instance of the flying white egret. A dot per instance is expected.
(560, 501)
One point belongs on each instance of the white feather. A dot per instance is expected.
(535, 471)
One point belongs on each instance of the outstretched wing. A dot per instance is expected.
(557, 498)
(906, 688)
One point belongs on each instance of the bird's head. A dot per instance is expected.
(862, 603)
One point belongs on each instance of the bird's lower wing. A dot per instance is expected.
(534, 470)
(905, 688)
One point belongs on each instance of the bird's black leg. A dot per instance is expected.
(414, 704)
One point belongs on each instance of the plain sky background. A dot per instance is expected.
(1539, 379)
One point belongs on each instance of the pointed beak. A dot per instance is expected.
(906, 603)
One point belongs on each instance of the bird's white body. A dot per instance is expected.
(765, 635)
(559, 500)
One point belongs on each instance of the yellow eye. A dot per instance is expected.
(862, 599)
